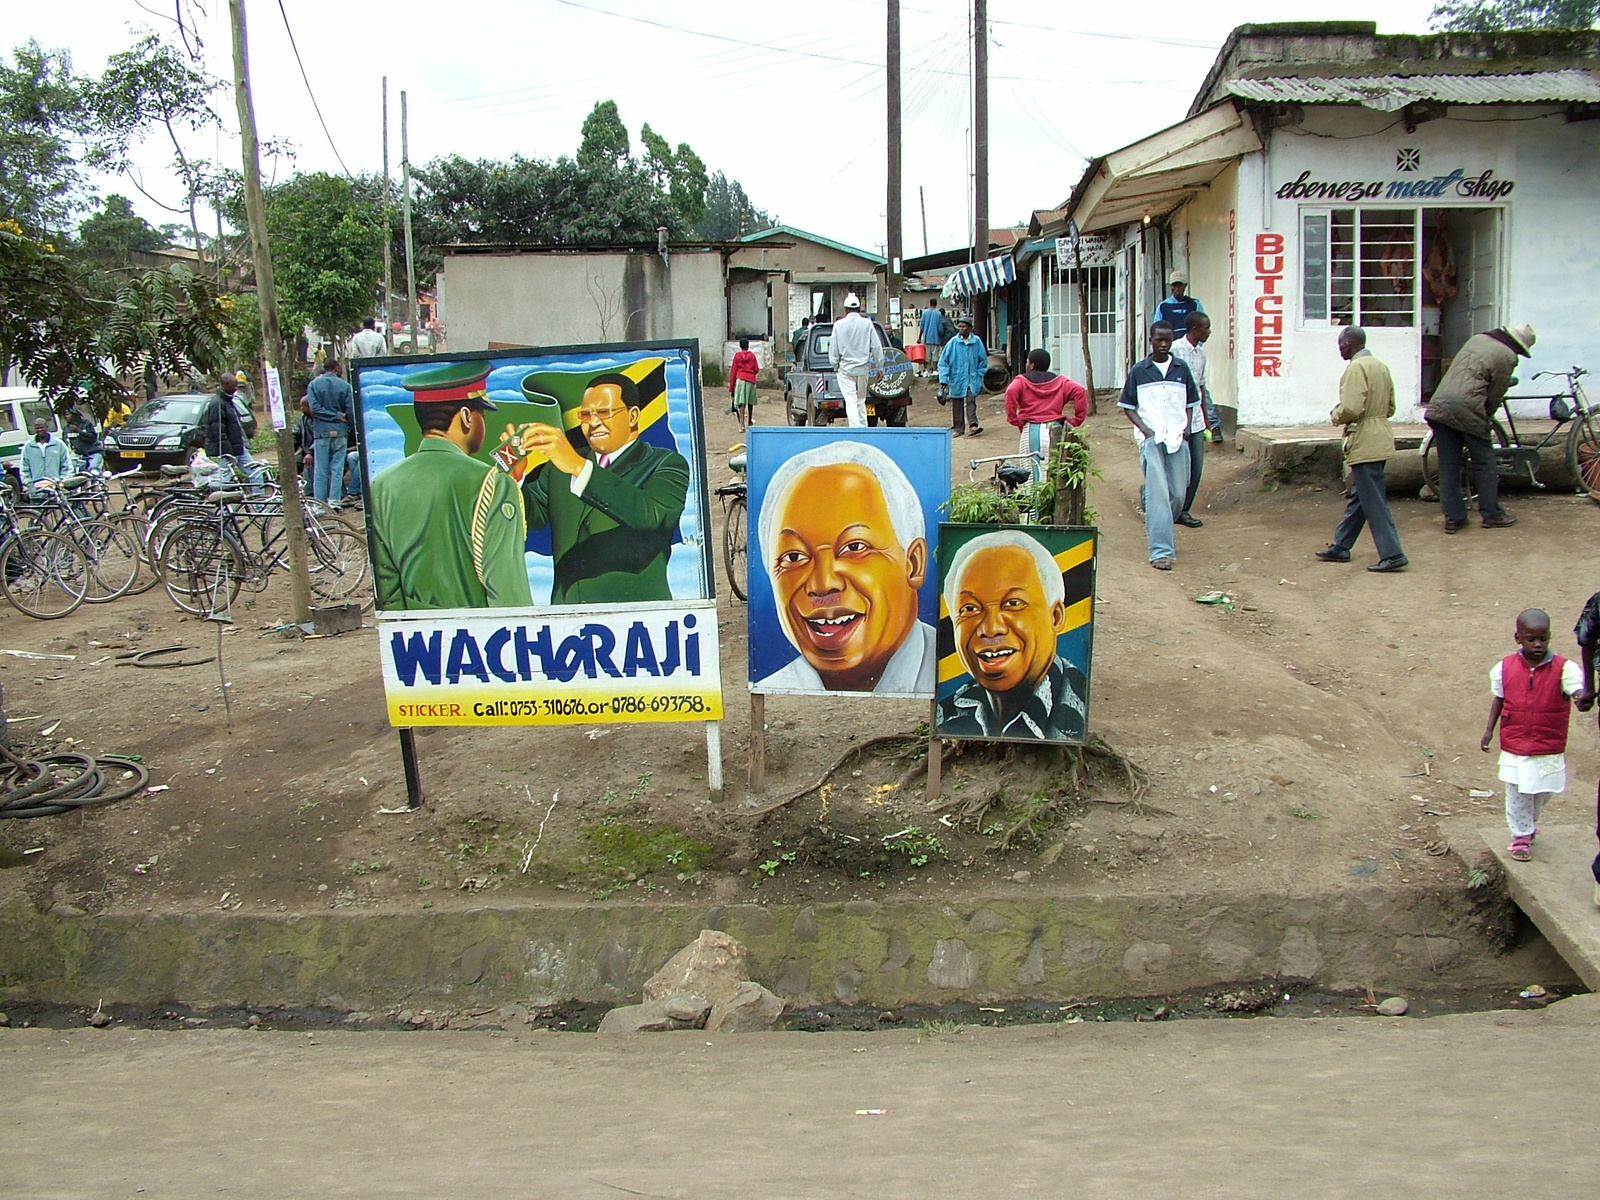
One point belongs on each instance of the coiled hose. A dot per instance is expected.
(53, 784)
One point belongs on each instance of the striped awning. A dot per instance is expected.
(978, 277)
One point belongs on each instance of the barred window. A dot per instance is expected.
(1360, 266)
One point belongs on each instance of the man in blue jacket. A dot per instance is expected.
(1175, 309)
(932, 335)
(332, 421)
(1160, 398)
(961, 369)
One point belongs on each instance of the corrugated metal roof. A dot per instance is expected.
(1391, 93)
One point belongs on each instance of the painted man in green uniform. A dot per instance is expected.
(613, 507)
(450, 528)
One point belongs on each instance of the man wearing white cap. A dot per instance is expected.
(854, 350)
(1175, 309)
(1459, 413)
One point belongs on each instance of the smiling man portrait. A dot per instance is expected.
(1007, 604)
(843, 539)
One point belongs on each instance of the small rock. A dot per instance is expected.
(5, 1021)
(357, 1018)
(860, 908)
(418, 1019)
(404, 1018)
(1394, 1006)
(986, 920)
(62, 909)
(688, 1009)
(954, 967)
(805, 926)
(1022, 877)
(322, 887)
(710, 967)
(750, 1009)
(254, 1021)
(649, 1017)
(100, 1019)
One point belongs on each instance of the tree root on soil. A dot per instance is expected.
(884, 739)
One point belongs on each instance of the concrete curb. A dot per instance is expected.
(893, 953)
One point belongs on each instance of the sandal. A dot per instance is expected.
(975, 431)
(1521, 848)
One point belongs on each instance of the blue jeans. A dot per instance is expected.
(1166, 479)
(352, 462)
(327, 469)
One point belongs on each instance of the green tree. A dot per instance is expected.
(327, 250)
(729, 213)
(605, 137)
(1487, 16)
(44, 118)
(117, 229)
(680, 172)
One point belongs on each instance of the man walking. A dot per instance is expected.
(1175, 310)
(1190, 349)
(932, 336)
(1160, 398)
(962, 365)
(368, 342)
(332, 419)
(1366, 402)
(1459, 414)
(854, 352)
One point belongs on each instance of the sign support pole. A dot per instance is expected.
(408, 759)
(935, 751)
(758, 742)
(714, 760)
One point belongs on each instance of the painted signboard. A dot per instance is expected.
(1016, 632)
(536, 525)
(843, 532)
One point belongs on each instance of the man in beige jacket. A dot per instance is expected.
(1366, 402)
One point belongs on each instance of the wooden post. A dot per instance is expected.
(388, 236)
(758, 743)
(294, 521)
(408, 759)
(935, 752)
(714, 760)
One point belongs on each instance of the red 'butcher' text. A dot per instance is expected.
(1268, 343)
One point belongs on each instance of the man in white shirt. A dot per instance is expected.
(1160, 399)
(368, 342)
(1190, 349)
(854, 351)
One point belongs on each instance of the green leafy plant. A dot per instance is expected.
(915, 846)
(306, 806)
(1300, 812)
(1477, 878)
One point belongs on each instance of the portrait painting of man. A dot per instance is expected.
(1018, 604)
(842, 584)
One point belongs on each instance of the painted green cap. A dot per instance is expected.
(450, 384)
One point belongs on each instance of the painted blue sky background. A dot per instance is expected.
(380, 386)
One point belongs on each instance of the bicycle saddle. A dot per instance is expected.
(1013, 475)
(224, 497)
(72, 481)
(173, 472)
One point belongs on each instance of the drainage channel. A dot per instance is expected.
(1244, 1001)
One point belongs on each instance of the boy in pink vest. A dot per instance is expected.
(1533, 692)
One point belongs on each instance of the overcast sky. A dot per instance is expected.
(786, 98)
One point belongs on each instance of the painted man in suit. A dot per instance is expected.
(612, 508)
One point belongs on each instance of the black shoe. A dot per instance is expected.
(1398, 563)
(1187, 521)
(1334, 554)
(1503, 521)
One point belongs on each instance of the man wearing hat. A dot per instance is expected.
(449, 528)
(613, 506)
(854, 350)
(1459, 413)
(962, 366)
(1175, 309)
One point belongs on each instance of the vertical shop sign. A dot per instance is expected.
(1267, 342)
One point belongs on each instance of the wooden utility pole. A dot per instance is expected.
(893, 249)
(922, 197)
(388, 237)
(980, 155)
(294, 520)
(1083, 319)
(405, 203)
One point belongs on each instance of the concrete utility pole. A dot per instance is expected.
(294, 519)
(980, 154)
(922, 196)
(405, 202)
(893, 250)
(388, 238)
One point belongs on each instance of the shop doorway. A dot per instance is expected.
(1461, 274)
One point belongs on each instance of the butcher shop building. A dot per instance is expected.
(1425, 187)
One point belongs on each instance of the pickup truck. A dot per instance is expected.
(811, 394)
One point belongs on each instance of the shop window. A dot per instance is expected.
(1360, 266)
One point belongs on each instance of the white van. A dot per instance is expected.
(20, 407)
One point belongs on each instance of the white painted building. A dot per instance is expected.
(1423, 187)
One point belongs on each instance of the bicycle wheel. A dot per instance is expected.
(43, 574)
(113, 560)
(135, 527)
(338, 567)
(735, 546)
(201, 570)
(1469, 478)
(1583, 455)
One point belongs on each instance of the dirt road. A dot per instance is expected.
(1494, 1104)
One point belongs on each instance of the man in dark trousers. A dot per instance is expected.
(1459, 413)
(219, 420)
(1366, 402)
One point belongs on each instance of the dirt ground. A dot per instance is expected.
(1307, 737)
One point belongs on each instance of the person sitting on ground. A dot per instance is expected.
(1038, 402)
(1533, 693)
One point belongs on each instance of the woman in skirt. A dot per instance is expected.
(742, 383)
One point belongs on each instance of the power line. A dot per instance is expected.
(309, 92)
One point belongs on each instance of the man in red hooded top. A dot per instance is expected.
(1038, 401)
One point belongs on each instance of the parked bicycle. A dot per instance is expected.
(70, 508)
(736, 526)
(42, 574)
(1520, 456)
